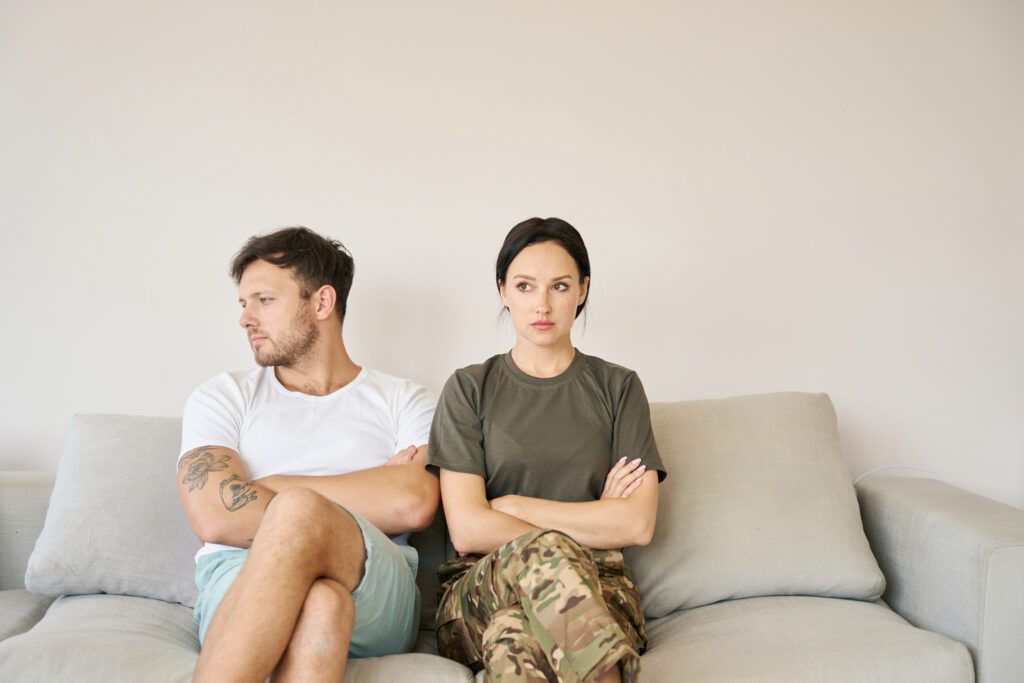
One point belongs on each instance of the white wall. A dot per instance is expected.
(821, 196)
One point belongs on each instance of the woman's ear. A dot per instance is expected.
(584, 290)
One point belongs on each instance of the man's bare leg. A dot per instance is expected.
(319, 646)
(303, 537)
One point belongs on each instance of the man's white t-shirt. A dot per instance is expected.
(277, 431)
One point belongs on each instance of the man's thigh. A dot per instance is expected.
(387, 600)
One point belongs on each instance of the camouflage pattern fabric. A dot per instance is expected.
(542, 607)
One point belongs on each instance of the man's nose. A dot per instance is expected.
(247, 319)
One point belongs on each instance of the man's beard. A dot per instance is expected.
(292, 346)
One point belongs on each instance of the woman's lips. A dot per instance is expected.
(542, 325)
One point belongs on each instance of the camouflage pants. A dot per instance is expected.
(542, 607)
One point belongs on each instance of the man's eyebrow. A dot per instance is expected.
(256, 295)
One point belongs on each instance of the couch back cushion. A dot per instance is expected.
(115, 524)
(758, 501)
(23, 497)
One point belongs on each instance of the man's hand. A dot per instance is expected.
(623, 479)
(403, 457)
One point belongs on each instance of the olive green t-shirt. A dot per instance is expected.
(554, 438)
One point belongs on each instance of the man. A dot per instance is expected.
(287, 475)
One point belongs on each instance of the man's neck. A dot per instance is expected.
(322, 371)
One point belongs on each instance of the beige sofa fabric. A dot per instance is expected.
(22, 511)
(127, 639)
(115, 524)
(800, 640)
(955, 565)
(758, 501)
(19, 611)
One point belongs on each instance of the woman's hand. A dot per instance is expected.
(505, 504)
(623, 479)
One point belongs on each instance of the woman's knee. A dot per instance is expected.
(549, 543)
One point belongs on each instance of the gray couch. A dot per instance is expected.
(760, 569)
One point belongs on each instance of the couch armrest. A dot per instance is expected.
(24, 498)
(954, 564)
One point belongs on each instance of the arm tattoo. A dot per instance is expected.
(200, 463)
(235, 493)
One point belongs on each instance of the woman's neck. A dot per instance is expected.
(542, 361)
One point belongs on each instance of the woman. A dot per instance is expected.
(548, 468)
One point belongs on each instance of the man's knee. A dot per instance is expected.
(302, 518)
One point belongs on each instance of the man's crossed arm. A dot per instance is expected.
(224, 506)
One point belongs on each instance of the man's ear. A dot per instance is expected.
(325, 299)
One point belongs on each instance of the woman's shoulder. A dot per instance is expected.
(608, 373)
(471, 377)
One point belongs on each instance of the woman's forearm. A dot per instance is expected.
(604, 524)
(485, 531)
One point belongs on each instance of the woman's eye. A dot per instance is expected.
(561, 287)
(522, 286)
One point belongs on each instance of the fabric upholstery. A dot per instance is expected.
(20, 610)
(109, 638)
(119, 639)
(800, 640)
(758, 501)
(955, 565)
(115, 524)
(22, 511)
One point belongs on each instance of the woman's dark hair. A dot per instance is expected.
(314, 260)
(534, 230)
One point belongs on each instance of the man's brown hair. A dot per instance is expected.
(314, 260)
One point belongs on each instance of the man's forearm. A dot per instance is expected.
(396, 499)
(221, 504)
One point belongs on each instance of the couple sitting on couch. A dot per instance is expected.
(545, 460)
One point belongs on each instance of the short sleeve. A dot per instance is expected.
(213, 415)
(633, 436)
(415, 412)
(456, 435)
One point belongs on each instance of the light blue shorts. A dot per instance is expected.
(387, 600)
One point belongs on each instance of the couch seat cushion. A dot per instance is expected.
(19, 611)
(114, 638)
(800, 639)
(422, 668)
(104, 638)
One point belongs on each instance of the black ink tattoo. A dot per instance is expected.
(200, 463)
(235, 493)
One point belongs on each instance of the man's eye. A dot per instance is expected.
(265, 299)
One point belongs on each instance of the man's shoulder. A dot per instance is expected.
(391, 386)
(232, 383)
